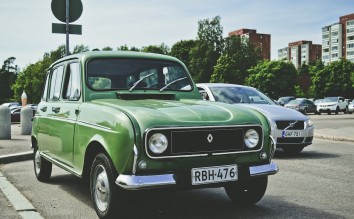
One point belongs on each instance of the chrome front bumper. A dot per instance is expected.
(133, 182)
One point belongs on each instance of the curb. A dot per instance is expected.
(334, 138)
(10, 158)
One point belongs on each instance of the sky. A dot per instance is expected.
(25, 25)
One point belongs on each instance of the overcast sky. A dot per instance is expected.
(25, 25)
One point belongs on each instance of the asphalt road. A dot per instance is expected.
(317, 183)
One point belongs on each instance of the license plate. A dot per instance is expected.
(216, 174)
(286, 134)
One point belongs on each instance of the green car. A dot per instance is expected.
(131, 121)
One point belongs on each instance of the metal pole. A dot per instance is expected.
(67, 27)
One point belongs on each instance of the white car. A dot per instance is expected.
(351, 107)
(333, 104)
(290, 129)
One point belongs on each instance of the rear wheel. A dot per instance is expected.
(346, 111)
(247, 192)
(107, 198)
(42, 167)
(292, 150)
(337, 110)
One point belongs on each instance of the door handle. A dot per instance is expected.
(56, 109)
(44, 109)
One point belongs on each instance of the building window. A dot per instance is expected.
(335, 55)
(350, 53)
(325, 29)
(334, 48)
(349, 23)
(334, 40)
(326, 50)
(335, 33)
(350, 38)
(350, 45)
(325, 36)
(351, 30)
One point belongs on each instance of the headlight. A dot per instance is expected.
(309, 123)
(251, 138)
(158, 143)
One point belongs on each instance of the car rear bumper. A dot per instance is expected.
(134, 182)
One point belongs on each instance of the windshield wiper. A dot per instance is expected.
(137, 82)
(172, 82)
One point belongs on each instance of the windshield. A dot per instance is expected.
(295, 102)
(240, 95)
(135, 74)
(330, 99)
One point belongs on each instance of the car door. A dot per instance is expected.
(61, 112)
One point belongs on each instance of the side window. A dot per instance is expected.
(45, 92)
(203, 93)
(72, 84)
(55, 83)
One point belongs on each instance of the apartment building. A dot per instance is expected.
(338, 40)
(300, 52)
(261, 41)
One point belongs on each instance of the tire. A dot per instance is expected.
(350, 112)
(247, 192)
(346, 110)
(305, 111)
(318, 113)
(329, 112)
(293, 150)
(337, 111)
(107, 198)
(42, 167)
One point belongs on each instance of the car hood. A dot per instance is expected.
(185, 112)
(275, 112)
(327, 103)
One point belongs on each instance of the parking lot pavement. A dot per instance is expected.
(17, 148)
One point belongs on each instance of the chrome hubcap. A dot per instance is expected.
(37, 162)
(101, 188)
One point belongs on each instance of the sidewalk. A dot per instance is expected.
(18, 148)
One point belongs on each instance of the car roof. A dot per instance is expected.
(116, 54)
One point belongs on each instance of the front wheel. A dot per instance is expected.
(293, 149)
(247, 192)
(42, 167)
(107, 198)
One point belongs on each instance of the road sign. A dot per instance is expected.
(61, 28)
(59, 10)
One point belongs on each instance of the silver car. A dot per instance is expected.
(351, 107)
(290, 129)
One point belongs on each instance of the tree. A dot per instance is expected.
(80, 48)
(276, 78)
(160, 49)
(32, 78)
(207, 50)
(107, 48)
(238, 56)
(181, 50)
(8, 75)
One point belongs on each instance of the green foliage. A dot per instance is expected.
(239, 55)
(32, 78)
(80, 48)
(276, 78)
(8, 75)
(208, 48)
(107, 48)
(160, 49)
(181, 50)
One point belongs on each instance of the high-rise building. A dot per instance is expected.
(338, 40)
(300, 52)
(259, 40)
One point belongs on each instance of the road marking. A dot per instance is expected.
(18, 201)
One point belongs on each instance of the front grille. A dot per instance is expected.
(299, 125)
(205, 141)
(195, 141)
(289, 140)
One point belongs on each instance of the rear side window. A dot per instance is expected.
(44, 96)
(55, 83)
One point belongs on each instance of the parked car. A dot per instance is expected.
(291, 129)
(132, 121)
(302, 105)
(351, 107)
(284, 100)
(333, 104)
(16, 113)
(11, 104)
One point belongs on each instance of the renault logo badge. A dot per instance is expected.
(210, 138)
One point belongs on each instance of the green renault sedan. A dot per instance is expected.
(131, 121)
